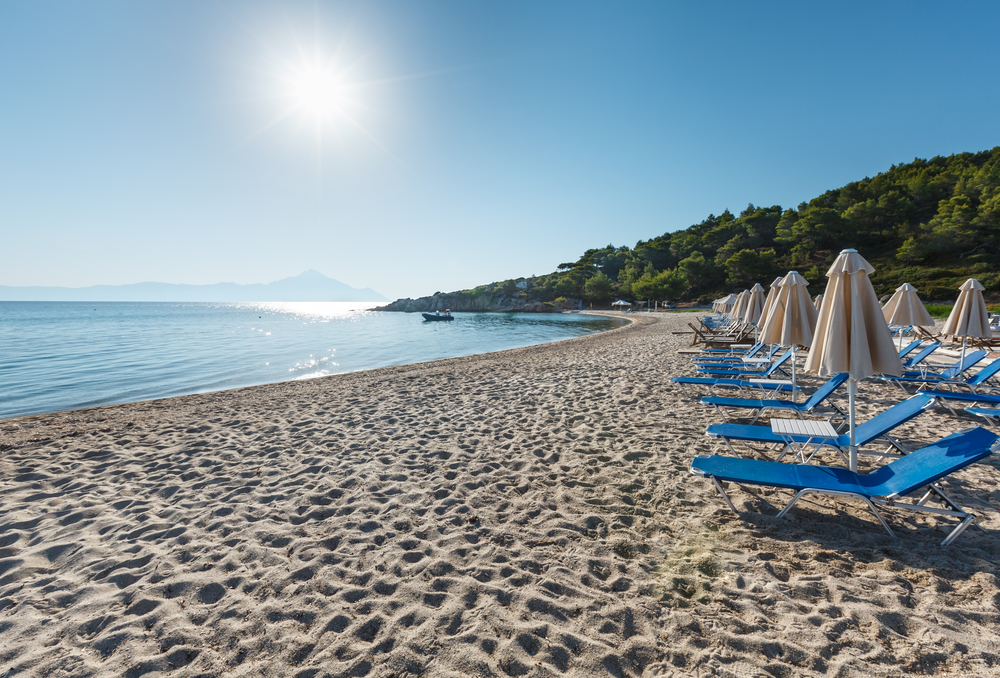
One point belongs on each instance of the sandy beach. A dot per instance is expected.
(522, 513)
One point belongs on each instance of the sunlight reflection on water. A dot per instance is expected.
(65, 355)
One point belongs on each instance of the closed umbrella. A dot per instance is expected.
(728, 302)
(851, 335)
(818, 301)
(792, 318)
(755, 305)
(905, 309)
(754, 308)
(969, 317)
(741, 303)
(772, 294)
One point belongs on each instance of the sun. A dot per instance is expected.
(319, 91)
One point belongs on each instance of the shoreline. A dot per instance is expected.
(521, 512)
(607, 314)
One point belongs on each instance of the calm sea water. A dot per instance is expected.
(64, 355)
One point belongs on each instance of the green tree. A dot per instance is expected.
(598, 287)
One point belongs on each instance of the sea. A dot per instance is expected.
(57, 356)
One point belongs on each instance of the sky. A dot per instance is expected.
(422, 146)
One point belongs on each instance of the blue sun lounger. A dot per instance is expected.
(768, 386)
(735, 359)
(823, 393)
(981, 379)
(946, 375)
(909, 348)
(922, 355)
(760, 374)
(990, 414)
(877, 427)
(885, 487)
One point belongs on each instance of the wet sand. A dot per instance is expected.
(523, 513)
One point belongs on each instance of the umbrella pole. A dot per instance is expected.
(852, 394)
(900, 338)
(961, 363)
(794, 396)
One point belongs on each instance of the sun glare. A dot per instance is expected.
(319, 92)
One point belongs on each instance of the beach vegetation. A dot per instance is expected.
(932, 223)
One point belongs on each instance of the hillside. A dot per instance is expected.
(933, 223)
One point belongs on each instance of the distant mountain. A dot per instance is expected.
(309, 286)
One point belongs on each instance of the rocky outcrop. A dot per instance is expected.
(458, 301)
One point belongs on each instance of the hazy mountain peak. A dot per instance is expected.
(310, 285)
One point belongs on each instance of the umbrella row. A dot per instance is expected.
(846, 328)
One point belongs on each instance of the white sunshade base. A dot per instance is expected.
(969, 317)
(905, 308)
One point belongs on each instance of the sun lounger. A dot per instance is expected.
(909, 348)
(946, 398)
(990, 414)
(922, 355)
(725, 360)
(950, 371)
(822, 394)
(947, 375)
(761, 386)
(885, 487)
(767, 369)
(876, 428)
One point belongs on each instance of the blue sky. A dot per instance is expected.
(463, 142)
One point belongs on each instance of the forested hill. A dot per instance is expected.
(932, 223)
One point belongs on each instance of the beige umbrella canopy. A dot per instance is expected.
(792, 317)
(727, 302)
(741, 303)
(772, 294)
(905, 309)
(818, 301)
(755, 305)
(851, 334)
(969, 317)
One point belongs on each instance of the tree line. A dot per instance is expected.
(932, 223)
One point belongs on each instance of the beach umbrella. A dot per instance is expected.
(772, 294)
(728, 302)
(905, 309)
(851, 335)
(969, 317)
(755, 305)
(792, 318)
(741, 303)
(818, 301)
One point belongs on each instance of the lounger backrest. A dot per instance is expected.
(920, 357)
(963, 364)
(778, 363)
(909, 348)
(985, 374)
(931, 463)
(898, 414)
(824, 391)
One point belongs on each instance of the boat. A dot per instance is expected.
(432, 316)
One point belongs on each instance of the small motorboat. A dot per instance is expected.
(438, 316)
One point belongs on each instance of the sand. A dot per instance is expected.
(528, 512)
